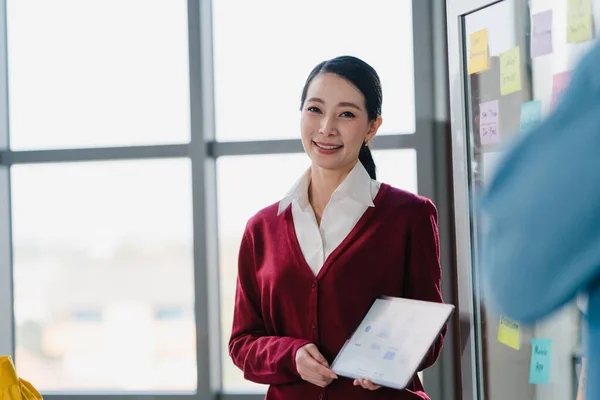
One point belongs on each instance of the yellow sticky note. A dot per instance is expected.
(580, 20)
(478, 54)
(510, 71)
(508, 333)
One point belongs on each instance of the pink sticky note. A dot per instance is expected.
(541, 34)
(560, 82)
(488, 122)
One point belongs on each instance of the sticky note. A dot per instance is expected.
(579, 24)
(531, 114)
(478, 54)
(541, 34)
(560, 82)
(510, 71)
(508, 333)
(541, 353)
(488, 122)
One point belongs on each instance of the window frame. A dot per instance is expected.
(430, 141)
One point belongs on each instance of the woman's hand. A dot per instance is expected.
(313, 367)
(366, 384)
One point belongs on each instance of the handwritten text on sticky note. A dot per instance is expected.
(541, 354)
(580, 20)
(510, 71)
(508, 333)
(478, 54)
(488, 122)
(541, 34)
(531, 115)
(560, 82)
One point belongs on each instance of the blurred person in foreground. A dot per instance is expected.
(542, 211)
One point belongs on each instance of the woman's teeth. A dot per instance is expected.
(328, 147)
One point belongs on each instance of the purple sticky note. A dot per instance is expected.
(541, 34)
(488, 122)
(560, 82)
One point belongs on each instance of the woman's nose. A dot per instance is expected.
(328, 126)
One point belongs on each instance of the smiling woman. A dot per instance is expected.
(337, 91)
(305, 273)
(340, 117)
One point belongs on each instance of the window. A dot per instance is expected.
(102, 238)
(97, 73)
(397, 167)
(261, 62)
(98, 266)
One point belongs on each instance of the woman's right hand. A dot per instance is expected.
(313, 367)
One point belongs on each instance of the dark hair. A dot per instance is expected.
(365, 79)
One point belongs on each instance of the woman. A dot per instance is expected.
(311, 265)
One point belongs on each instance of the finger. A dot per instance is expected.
(317, 379)
(315, 367)
(368, 384)
(316, 354)
(359, 382)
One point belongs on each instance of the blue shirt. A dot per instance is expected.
(542, 213)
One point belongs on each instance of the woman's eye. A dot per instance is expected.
(314, 109)
(347, 114)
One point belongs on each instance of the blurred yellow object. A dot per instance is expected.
(12, 387)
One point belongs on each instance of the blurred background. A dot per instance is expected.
(138, 136)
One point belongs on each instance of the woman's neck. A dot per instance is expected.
(323, 182)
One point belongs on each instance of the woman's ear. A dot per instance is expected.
(373, 128)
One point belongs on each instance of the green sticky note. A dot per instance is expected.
(531, 115)
(541, 353)
(508, 333)
(510, 71)
(580, 21)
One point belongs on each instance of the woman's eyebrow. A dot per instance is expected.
(341, 104)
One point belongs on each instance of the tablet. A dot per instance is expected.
(392, 341)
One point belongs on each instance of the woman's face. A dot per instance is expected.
(335, 123)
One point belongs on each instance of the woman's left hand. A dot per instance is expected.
(366, 384)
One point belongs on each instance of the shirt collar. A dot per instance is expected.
(356, 186)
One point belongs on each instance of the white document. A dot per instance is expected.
(392, 340)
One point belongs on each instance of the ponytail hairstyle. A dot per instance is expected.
(365, 79)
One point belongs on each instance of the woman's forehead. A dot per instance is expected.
(333, 88)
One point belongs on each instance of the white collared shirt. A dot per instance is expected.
(347, 204)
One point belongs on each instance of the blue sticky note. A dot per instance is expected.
(541, 353)
(531, 114)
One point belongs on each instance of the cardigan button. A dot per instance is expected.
(313, 326)
(321, 396)
(314, 285)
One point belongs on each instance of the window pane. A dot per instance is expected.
(397, 168)
(103, 268)
(97, 73)
(261, 62)
(261, 181)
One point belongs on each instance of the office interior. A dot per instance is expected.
(138, 136)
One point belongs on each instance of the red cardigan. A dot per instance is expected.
(281, 306)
